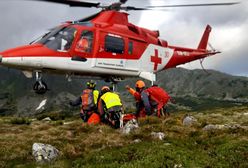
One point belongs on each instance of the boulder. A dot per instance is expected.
(189, 120)
(44, 152)
(211, 127)
(47, 119)
(137, 141)
(158, 135)
(178, 166)
(129, 126)
(167, 144)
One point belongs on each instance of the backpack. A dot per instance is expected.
(88, 100)
(159, 95)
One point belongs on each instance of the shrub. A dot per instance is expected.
(20, 121)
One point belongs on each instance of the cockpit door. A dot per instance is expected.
(83, 49)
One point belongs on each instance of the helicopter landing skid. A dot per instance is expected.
(40, 87)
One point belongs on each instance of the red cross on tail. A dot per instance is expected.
(156, 59)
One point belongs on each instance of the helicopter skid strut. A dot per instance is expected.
(40, 87)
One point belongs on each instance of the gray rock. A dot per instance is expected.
(137, 141)
(129, 126)
(246, 114)
(189, 120)
(158, 135)
(167, 144)
(44, 152)
(47, 119)
(178, 165)
(211, 127)
(235, 126)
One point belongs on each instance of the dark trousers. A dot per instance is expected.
(113, 116)
(86, 115)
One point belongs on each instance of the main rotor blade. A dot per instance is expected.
(128, 8)
(73, 3)
(193, 5)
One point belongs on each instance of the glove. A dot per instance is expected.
(127, 87)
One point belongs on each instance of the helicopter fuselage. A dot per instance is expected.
(106, 45)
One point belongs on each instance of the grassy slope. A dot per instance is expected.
(101, 146)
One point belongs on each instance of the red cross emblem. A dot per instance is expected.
(157, 60)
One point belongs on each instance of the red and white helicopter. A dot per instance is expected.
(104, 45)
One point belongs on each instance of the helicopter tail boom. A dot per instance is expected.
(204, 40)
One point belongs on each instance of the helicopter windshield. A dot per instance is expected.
(59, 39)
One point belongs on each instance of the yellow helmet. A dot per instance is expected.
(91, 84)
(140, 84)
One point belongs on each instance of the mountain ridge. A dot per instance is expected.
(191, 88)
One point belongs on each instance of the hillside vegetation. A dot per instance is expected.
(102, 146)
(192, 90)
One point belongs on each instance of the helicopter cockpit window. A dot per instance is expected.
(114, 44)
(85, 43)
(59, 39)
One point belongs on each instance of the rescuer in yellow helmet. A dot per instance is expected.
(88, 101)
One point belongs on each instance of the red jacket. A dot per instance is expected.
(149, 97)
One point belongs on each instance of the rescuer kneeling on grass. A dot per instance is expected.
(88, 101)
(150, 101)
(110, 107)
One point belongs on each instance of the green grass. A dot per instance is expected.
(199, 104)
(102, 146)
(20, 121)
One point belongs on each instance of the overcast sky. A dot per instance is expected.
(22, 21)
